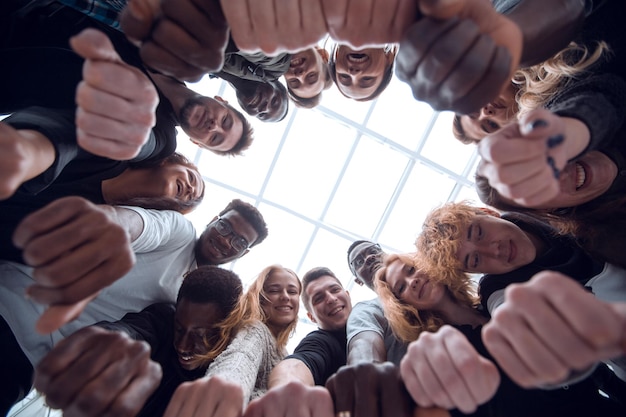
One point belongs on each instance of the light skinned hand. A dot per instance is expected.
(516, 159)
(76, 248)
(206, 397)
(116, 102)
(96, 372)
(551, 326)
(369, 23)
(443, 369)
(274, 27)
(185, 39)
(370, 390)
(292, 399)
(24, 154)
(459, 55)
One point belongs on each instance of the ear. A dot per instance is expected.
(323, 53)
(220, 99)
(489, 211)
(310, 316)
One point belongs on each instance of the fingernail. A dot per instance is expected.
(555, 170)
(536, 124)
(555, 140)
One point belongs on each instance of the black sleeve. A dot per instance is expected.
(322, 354)
(154, 324)
(599, 102)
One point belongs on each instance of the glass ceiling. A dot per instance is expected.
(328, 176)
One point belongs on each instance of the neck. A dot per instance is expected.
(175, 91)
(538, 243)
(118, 190)
(458, 314)
(274, 329)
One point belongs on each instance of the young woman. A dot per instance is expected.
(362, 75)
(447, 363)
(308, 75)
(268, 315)
(513, 248)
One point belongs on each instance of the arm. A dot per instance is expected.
(367, 346)
(290, 370)
(547, 26)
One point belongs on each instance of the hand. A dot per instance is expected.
(371, 23)
(275, 27)
(206, 397)
(292, 399)
(443, 369)
(459, 55)
(76, 248)
(185, 39)
(116, 102)
(24, 154)
(370, 389)
(96, 372)
(523, 163)
(550, 326)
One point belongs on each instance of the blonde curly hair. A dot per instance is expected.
(406, 321)
(539, 83)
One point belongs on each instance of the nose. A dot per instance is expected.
(354, 70)
(212, 124)
(284, 295)
(184, 344)
(488, 110)
(298, 71)
(491, 249)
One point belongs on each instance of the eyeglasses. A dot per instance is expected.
(237, 242)
(373, 249)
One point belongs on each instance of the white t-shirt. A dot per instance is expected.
(164, 253)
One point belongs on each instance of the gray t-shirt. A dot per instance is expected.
(369, 316)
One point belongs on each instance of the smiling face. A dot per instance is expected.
(492, 116)
(413, 287)
(282, 299)
(175, 181)
(215, 248)
(268, 103)
(306, 76)
(195, 331)
(360, 72)
(330, 303)
(210, 123)
(492, 245)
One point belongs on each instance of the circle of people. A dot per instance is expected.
(127, 311)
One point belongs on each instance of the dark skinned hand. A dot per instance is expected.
(459, 55)
(185, 39)
(96, 372)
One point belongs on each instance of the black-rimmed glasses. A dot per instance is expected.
(373, 249)
(237, 242)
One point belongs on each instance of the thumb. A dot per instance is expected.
(93, 44)
(441, 9)
(58, 315)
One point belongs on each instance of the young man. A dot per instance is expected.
(320, 354)
(322, 351)
(370, 338)
(165, 247)
(183, 339)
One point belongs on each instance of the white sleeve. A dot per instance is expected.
(495, 300)
(160, 227)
